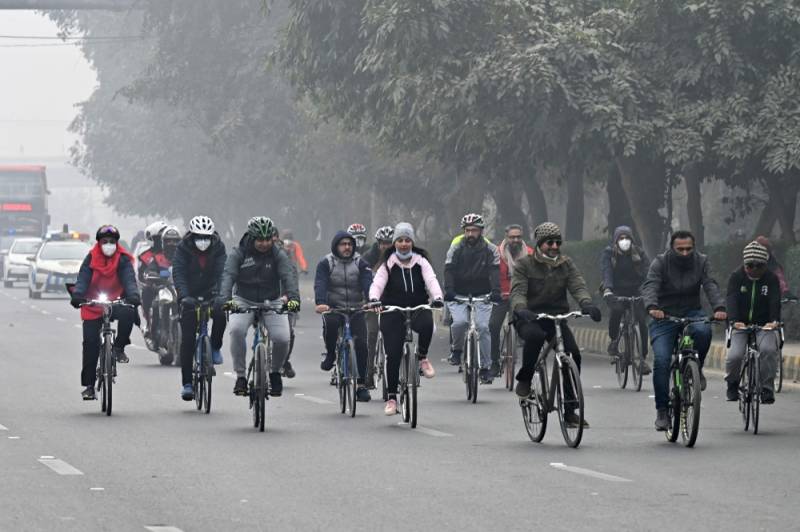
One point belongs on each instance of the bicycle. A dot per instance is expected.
(346, 368)
(684, 385)
(750, 376)
(202, 366)
(258, 388)
(409, 366)
(471, 359)
(376, 363)
(779, 371)
(509, 346)
(562, 392)
(630, 345)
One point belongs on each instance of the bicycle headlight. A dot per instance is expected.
(103, 298)
(165, 296)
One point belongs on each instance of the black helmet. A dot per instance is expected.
(107, 231)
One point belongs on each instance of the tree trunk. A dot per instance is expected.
(619, 210)
(507, 199)
(694, 205)
(782, 204)
(644, 180)
(573, 228)
(537, 204)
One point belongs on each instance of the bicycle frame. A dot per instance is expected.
(555, 346)
(472, 329)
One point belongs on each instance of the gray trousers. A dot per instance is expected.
(767, 342)
(279, 333)
(483, 313)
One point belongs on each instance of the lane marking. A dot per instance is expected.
(3, 427)
(77, 325)
(596, 387)
(430, 432)
(45, 313)
(97, 489)
(312, 399)
(589, 472)
(229, 375)
(59, 318)
(162, 528)
(13, 437)
(60, 466)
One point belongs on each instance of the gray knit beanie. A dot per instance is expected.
(755, 252)
(404, 229)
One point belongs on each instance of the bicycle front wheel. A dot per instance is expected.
(674, 408)
(208, 370)
(690, 402)
(636, 358)
(405, 375)
(569, 396)
(108, 377)
(508, 357)
(623, 358)
(534, 408)
(755, 395)
(260, 388)
(413, 386)
(472, 369)
(352, 379)
(745, 394)
(779, 373)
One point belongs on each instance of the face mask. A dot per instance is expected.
(624, 244)
(360, 241)
(202, 244)
(404, 256)
(684, 261)
(108, 249)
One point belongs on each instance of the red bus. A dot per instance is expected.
(23, 201)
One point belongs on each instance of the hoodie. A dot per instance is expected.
(623, 272)
(342, 282)
(405, 284)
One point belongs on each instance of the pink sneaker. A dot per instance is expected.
(427, 368)
(391, 407)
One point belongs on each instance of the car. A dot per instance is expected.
(56, 263)
(15, 261)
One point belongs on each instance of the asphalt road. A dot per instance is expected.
(157, 462)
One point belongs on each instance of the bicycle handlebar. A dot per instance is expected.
(107, 303)
(270, 307)
(689, 321)
(345, 311)
(558, 317)
(471, 300)
(394, 308)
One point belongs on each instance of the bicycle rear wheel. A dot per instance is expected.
(779, 373)
(352, 379)
(405, 375)
(382, 368)
(260, 381)
(636, 358)
(623, 358)
(755, 394)
(413, 385)
(690, 403)
(744, 394)
(534, 408)
(108, 377)
(569, 378)
(208, 370)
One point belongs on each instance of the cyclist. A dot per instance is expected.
(261, 272)
(776, 267)
(374, 257)
(405, 279)
(153, 261)
(540, 285)
(295, 251)
(512, 249)
(359, 232)
(108, 270)
(197, 273)
(672, 287)
(624, 267)
(472, 268)
(343, 279)
(287, 370)
(754, 298)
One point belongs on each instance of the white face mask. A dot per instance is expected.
(108, 249)
(624, 244)
(202, 244)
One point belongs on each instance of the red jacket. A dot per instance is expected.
(505, 274)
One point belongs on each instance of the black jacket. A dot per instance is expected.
(192, 279)
(754, 302)
(472, 270)
(259, 277)
(675, 289)
(127, 277)
(624, 273)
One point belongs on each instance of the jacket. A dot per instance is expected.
(152, 262)
(505, 271)
(197, 274)
(472, 270)
(541, 285)
(754, 302)
(373, 255)
(405, 284)
(89, 284)
(259, 277)
(341, 282)
(675, 289)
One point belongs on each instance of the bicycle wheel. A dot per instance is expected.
(534, 408)
(382, 368)
(405, 374)
(108, 377)
(473, 369)
(352, 379)
(466, 356)
(208, 370)
(755, 394)
(636, 358)
(339, 377)
(779, 373)
(175, 342)
(623, 358)
(413, 385)
(744, 394)
(690, 402)
(260, 406)
(674, 408)
(569, 378)
(198, 380)
(507, 347)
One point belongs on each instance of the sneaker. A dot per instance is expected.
(240, 388)
(523, 389)
(288, 370)
(216, 357)
(646, 369)
(613, 348)
(362, 395)
(455, 358)
(485, 376)
(732, 394)
(327, 363)
(88, 393)
(662, 420)
(571, 420)
(702, 381)
(390, 408)
(767, 396)
(427, 368)
(275, 384)
(187, 393)
(119, 352)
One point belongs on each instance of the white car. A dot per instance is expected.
(56, 262)
(15, 261)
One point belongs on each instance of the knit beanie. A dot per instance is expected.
(546, 231)
(755, 252)
(404, 230)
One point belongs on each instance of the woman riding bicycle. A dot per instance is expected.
(107, 270)
(405, 279)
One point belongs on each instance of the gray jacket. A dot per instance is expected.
(257, 276)
(675, 288)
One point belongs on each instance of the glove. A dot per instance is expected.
(77, 301)
(609, 298)
(133, 300)
(220, 302)
(592, 311)
(449, 296)
(189, 301)
(437, 303)
(525, 315)
(293, 305)
(495, 297)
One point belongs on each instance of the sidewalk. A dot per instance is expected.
(596, 339)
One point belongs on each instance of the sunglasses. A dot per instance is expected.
(553, 242)
(754, 265)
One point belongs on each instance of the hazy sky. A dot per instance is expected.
(39, 87)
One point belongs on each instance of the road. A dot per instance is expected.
(158, 464)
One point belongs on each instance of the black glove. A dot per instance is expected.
(592, 311)
(495, 297)
(437, 303)
(189, 301)
(449, 296)
(220, 302)
(133, 300)
(77, 301)
(608, 297)
(525, 315)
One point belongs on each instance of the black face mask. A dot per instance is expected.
(684, 261)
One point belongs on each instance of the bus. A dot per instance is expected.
(23, 202)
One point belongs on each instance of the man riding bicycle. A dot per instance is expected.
(754, 298)
(672, 287)
(472, 268)
(108, 270)
(342, 280)
(197, 273)
(359, 232)
(624, 266)
(261, 272)
(539, 286)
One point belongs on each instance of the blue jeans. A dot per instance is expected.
(663, 335)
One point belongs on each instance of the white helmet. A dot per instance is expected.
(201, 225)
(153, 229)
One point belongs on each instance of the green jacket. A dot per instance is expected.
(541, 285)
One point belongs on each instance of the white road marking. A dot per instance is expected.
(229, 375)
(45, 313)
(596, 387)
(2, 427)
(589, 472)
(46, 457)
(162, 528)
(77, 325)
(60, 466)
(97, 489)
(34, 307)
(651, 396)
(13, 437)
(59, 318)
(431, 432)
(312, 399)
